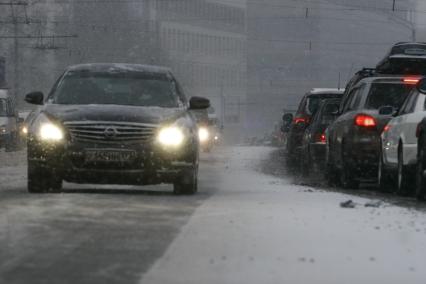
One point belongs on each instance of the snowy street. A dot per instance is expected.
(244, 226)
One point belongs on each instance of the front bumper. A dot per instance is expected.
(151, 165)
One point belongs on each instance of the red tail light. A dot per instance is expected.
(365, 120)
(298, 120)
(320, 138)
(411, 80)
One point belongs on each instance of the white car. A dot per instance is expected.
(399, 145)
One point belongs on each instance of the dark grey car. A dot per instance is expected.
(114, 124)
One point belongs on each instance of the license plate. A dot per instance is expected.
(112, 156)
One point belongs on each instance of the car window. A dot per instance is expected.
(105, 88)
(387, 94)
(356, 99)
(350, 99)
(326, 117)
(312, 105)
(409, 103)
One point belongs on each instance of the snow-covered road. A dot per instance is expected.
(243, 227)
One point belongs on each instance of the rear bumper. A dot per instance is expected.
(318, 152)
(363, 156)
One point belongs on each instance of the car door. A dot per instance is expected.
(343, 125)
(408, 134)
(395, 130)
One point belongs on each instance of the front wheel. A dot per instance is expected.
(41, 179)
(187, 184)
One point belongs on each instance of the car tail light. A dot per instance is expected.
(365, 120)
(298, 120)
(320, 138)
(411, 80)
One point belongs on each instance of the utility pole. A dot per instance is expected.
(393, 5)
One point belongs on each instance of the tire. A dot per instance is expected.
(306, 164)
(42, 180)
(347, 179)
(331, 175)
(384, 180)
(404, 182)
(187, 184)
(420, 178)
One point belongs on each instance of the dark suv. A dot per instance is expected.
(114, 124)
(353, 139)
(302, 119)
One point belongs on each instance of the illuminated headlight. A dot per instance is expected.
(2, 129)
(24, 130)
(203, 134)
(51, 132)
(171, 136)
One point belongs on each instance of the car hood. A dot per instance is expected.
(112, 113)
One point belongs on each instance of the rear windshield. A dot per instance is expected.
(387, 94)
(327, 118)
(314, 102)
(119, 89)
(3, 107)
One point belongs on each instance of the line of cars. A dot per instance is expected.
(372, 131)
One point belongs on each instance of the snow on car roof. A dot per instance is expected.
(124, 67)
(319, 91)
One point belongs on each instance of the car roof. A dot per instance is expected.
(385, 79)
(321, 91)
(117, 67)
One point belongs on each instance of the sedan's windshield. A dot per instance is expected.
(387, 94)
(117, 89)
(3, 111)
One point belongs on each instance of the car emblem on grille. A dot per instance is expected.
(110, 133)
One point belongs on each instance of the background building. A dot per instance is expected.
(204, 41)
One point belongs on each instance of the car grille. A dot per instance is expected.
(110, 132)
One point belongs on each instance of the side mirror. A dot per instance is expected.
(421, 86)
(386, 110)
(199, 103)
(287, 120)
(35, 98)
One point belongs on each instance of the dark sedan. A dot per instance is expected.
(114, 124)
(314, 139)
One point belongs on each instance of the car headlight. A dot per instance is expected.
(51, 132)
(2, 129)
(46, 130)
(203, 134)
(24, 130)
(171, 136)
